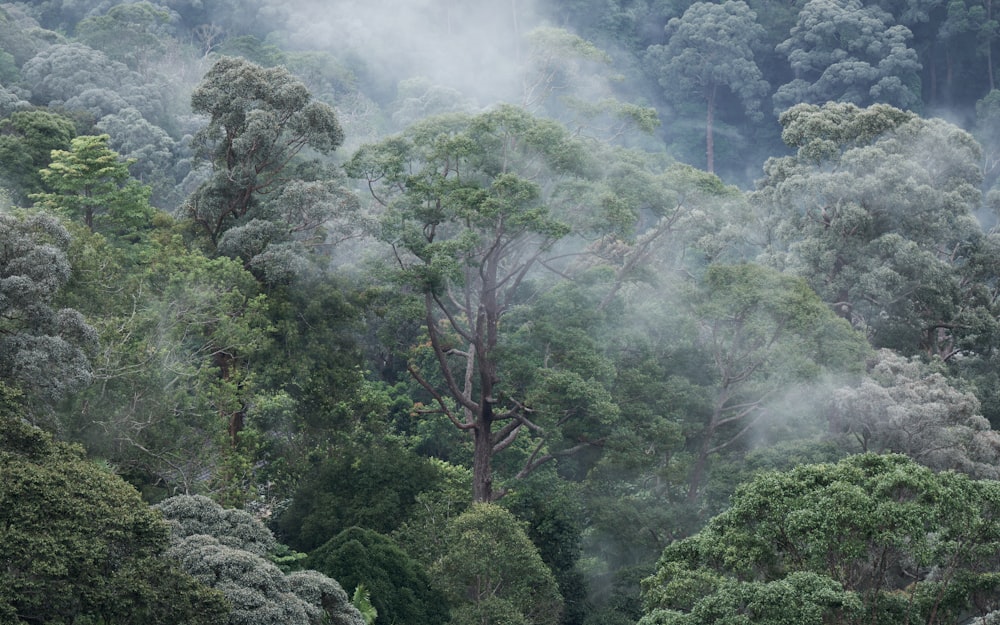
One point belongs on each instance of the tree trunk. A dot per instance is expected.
(482, 462)
(701, 462)
(709, 139)
(989, 45)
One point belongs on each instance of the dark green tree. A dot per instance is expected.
(78, 544)
(710, 49)
(27, 139)
(354, 487)
(44, 349)
(401, 590)
(493, 572)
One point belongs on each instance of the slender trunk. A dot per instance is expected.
(949, 73)
(482, 461)
(701, 462)
(709, 139)
(989, 45)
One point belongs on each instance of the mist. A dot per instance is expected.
(475, 48)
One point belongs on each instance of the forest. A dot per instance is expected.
(533, 312)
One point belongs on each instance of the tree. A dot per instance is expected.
(128, 33)
(710, 48)
(43, 349)
(150, 152)
(764, 332)
(401, 590)
(871, 539)
(353, 489)
(78, 544)
(842, 51)
(494, 573)
(27, 139)
(467, 222)
(259, 120)
(92, 183)
(908, 407)
(229, 550)
(77, 77)
(967, 34)
(875, 211)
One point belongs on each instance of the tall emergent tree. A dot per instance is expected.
(259, 120)
(710, 48)
(467, 219)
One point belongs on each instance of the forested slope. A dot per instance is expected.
(502, 313)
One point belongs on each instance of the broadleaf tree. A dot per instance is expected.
(870, 539)
(711, 49)
(260, 119)
(467, 216)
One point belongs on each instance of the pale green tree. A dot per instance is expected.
(91, 182)
(709, 51)
(764, 331)
(906, 406)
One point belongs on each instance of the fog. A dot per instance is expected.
(473, 47)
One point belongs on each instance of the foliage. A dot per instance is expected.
(468, 222)
(843, 51)
(27, 139)
(44, 350)
(490, 567)
(228, 550)
(711, 48)
(875, 211)
(90, 182)
(79, 545)
(905, 406)
(764, 331)
(352, 487)
(401, 590)
(871, 537)
(362, 601)
(259, 120)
